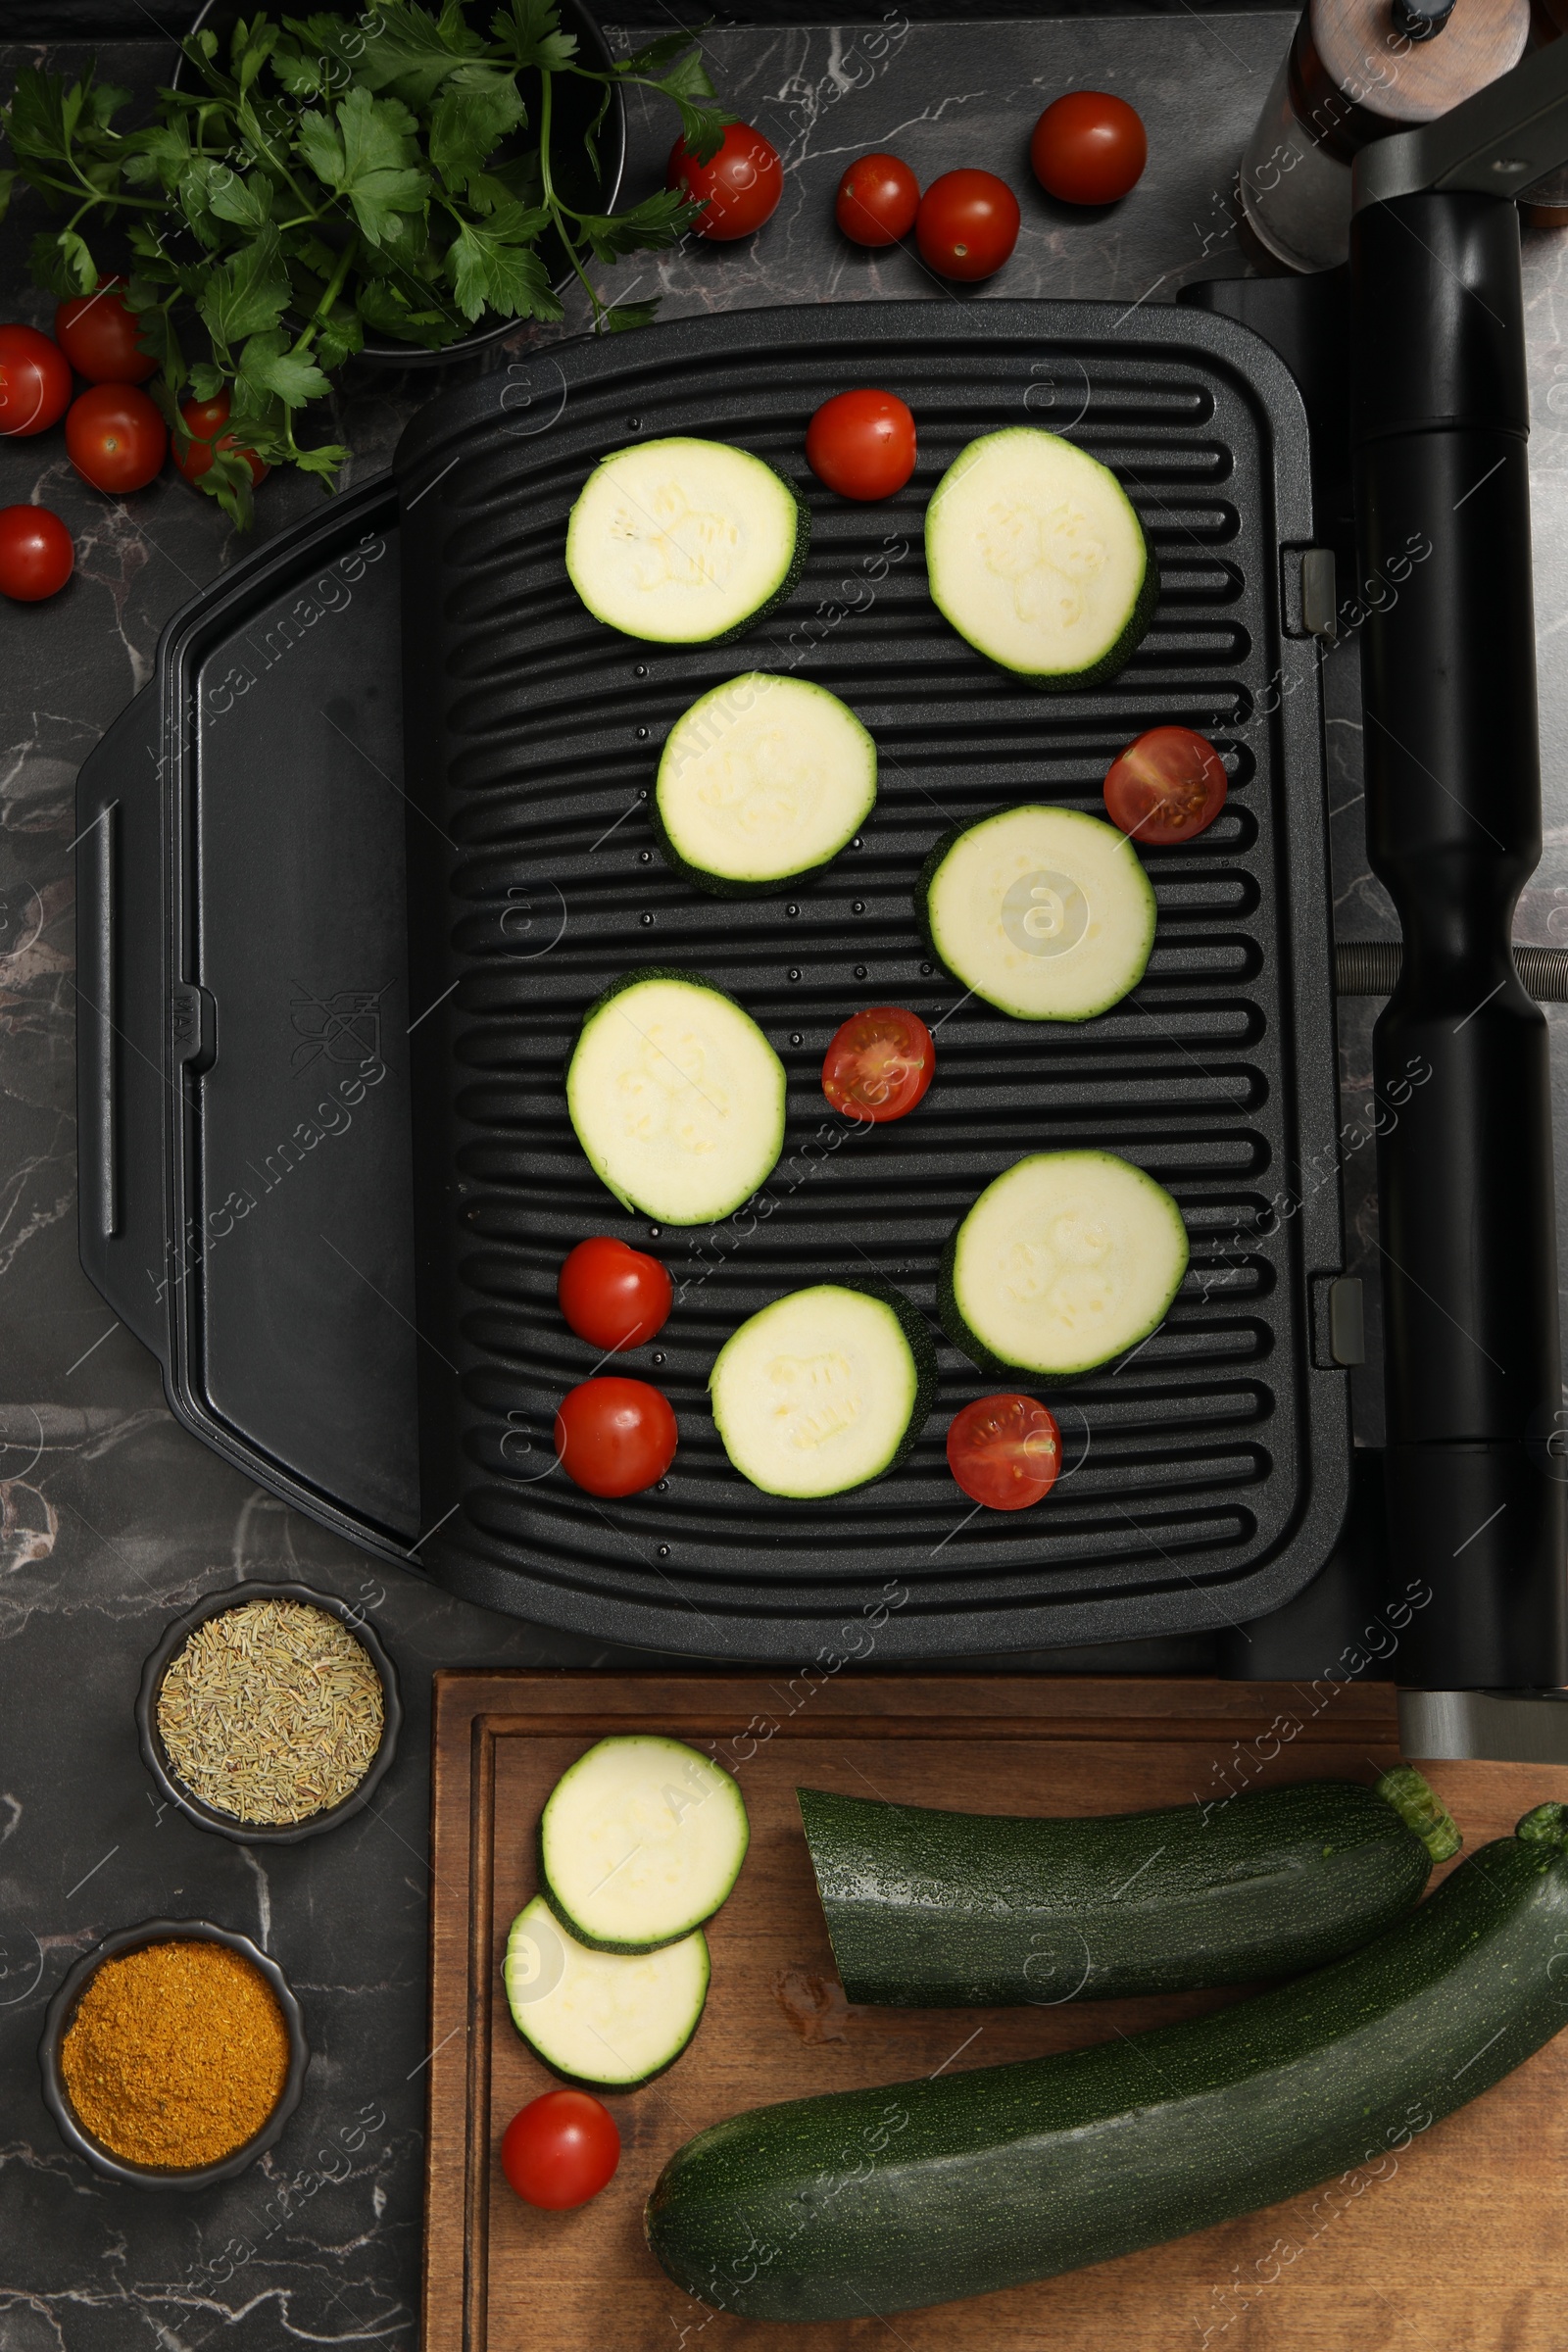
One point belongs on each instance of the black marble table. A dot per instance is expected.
(113, 1519)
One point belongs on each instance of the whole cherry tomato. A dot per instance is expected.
(1005, 1452)
(115, 437)
(36, 554)
(861, 444)
(560, 2150)
(203, 420)
(967, 223)
(34, 381)
(612, 1295)
(98, 335)
(1089, 148)
(877, 200)
(740, 186)
(880, 1064)
(615, 1436)
(1165, 787)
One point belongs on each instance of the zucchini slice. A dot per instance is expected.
(1045, 913)
(1066, 1258)
(1036, 554)
(762, 782)
(640, 1840)
(824, 1389)
(934, 1910)
(602, 2017)
(921, 2192)
(685, 542)
(676, 1097)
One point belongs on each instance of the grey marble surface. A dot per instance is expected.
(112, 1518)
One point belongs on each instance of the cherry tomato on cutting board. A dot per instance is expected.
(877, 200)
(36, 554)
(560, 2150)
(612, 1295)
(115, 437)
(98, 335)
(615, 1436)
(861, 444)
(1165, 787)
(203, 420)
(1005, 1452)
(968, 225)
(740, 186)
(1089, 148)
(879, 1064)
(34, 382)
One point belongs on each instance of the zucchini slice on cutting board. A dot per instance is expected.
(640, 1840)
(762, 781)
(685, 542)
(602, 2018)
(1036, 554)
(824, 1389)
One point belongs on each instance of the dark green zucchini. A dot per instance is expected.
(871, 2201)
(931, 1910)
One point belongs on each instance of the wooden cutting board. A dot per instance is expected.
(1459, 2240)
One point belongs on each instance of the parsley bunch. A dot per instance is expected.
(337, 174)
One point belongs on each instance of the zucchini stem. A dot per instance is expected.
(1544, 1824)
(1421, 1809)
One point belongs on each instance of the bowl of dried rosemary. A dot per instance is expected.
(268, 1713)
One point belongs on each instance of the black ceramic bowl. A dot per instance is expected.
(63, 2008)
(228, 1824)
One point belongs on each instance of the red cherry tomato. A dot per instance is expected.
(1165, 787)
(34, 381)
(1005, 1452)
(967, 223)
(879, 1064)
(861, 444)
(741, 184)
(1089, 148)
(615, 1436)
(36, 554)
(560, 2150)
(115, 437)
(613, 1296)
(204, 420)
(877, 200)
(98, 335)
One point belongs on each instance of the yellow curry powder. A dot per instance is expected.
(176, 2055)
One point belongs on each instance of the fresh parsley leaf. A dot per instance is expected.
(206, 380)
(61, 262)
(160, 153)
(7, 180)
(324, 461)
(390, 312)
(528, 33)
(265, 362)
(247, 202)
(44, 111)
(369, 158)
(245, 296)
(409, 54)
(339, 337)
(493, 263)
(657, 56)
(472, 117)
(627, 314)
(659, 221)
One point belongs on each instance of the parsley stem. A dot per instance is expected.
(553, 204)
(334, 287)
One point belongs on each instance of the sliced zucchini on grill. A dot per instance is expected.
(640, 1840)
(824, 1391)
(761, 781)
(685, 542)
(602, 2017)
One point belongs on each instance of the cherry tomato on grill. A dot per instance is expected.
(967, 223)
(861, 444)
(740, 186)
(615, 1436)
(98, 335)
(115, 437)
(879, 1064)
(877, 200)
(612, 1295)
(1165, 787)
(1005, 1452)
(560, 2150)
(34, 381)
(1089, 148)
(203, 420)
(36, 554)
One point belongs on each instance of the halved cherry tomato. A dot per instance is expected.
(36, 554)
(740, 186)
(877, 200)
(967, 223)
(1005, 1452)
(615, 1436)
(560, 2150)
(1165, 787)
(879, 1064)
(204, 420)
(612, 1295)
(98, 335)
(115, 437)
(1089, 148)
(34, 382)
(861, 444)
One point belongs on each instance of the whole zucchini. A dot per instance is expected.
(932, 1910)
(920, 2192)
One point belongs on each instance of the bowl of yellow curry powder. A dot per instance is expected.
(174, 2055)
(268, 1713)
